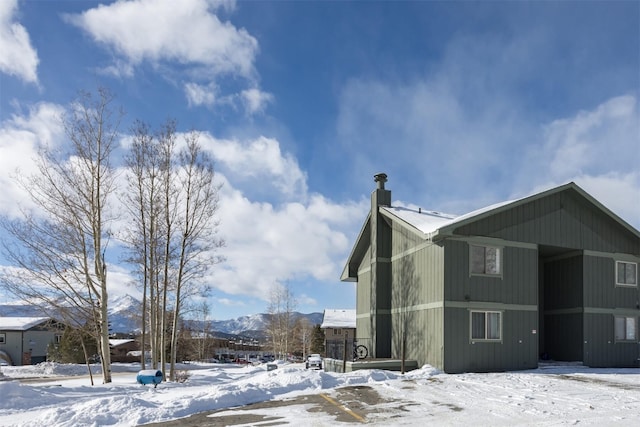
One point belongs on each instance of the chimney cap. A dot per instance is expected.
(380, 178)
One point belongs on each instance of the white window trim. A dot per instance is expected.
(626, 285)
(485, 312)
(500, 250)
(632, 340)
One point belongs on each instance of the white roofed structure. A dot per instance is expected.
(24, 340)
(339, 327)
(337, 318)
(21, 323)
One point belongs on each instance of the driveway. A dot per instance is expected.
(347, 404)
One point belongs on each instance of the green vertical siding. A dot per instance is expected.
(603, 301)
(563, 219)
(517, 350)
(518, 284)
(417, 295)
(600, 347)
(363, 302)
(514, 294)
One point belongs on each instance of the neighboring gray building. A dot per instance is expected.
(552, 275)
(24, 340)
(339, 329)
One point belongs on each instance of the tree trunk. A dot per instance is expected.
(86, 357)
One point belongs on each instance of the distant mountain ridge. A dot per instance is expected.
(124, 317)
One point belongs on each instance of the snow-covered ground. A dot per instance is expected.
(550, 395)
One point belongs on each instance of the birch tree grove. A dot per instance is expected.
(142, 237)
(280, 326)
(174, 243)
(59, 248)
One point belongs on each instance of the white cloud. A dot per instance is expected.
(599, 150)
(260, 161)
(255, 100)
(230, 303)
(472, 131)
(20, 139)
(304, 238)
(273, 244)
(154, 30)
(201, 94)
(118, 69)
(598, 141)
(306, 300)
(17, 55)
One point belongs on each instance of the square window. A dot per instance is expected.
(626, 273)
(626, 328)
(486, 326)
(485, 260)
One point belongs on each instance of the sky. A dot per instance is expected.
(463, 104)
(552, 395)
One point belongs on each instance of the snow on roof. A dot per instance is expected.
(117, 342)
(431, 221)
(425, 221)
(339, 319)
(20, 323)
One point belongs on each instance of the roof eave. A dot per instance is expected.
(349, 272)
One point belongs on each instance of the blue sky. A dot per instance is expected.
(462, 104)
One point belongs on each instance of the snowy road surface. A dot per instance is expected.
(552, 396)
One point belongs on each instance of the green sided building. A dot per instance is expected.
(549, 276)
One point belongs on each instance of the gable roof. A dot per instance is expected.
(432, 225)
(436, 224)
(21, 323)
(338, 319)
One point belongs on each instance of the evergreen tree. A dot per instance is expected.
(317, 340)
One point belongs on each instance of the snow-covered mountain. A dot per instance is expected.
(256, 322)
(124, 317)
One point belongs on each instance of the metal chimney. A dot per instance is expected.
(380, 178)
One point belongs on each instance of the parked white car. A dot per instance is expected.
(314, 361)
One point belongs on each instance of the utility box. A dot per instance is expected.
(149, 376)
(271, 366)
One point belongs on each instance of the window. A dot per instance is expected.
(626, 273)
(626, 328)
(3, 338)
(57, 339)
(337, 332)
(486, 326)
(485, 260)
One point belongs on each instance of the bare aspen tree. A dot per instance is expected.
(282, 304)
(145, 205)
(167, 148)
(60, 247)
(196, 227)
(303, 331)
(176, 240)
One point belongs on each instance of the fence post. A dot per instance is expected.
(344, 352)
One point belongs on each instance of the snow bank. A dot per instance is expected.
(555, 396)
